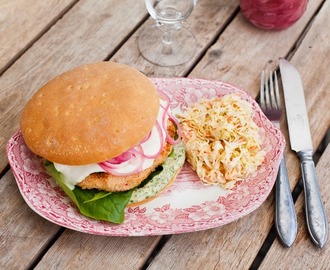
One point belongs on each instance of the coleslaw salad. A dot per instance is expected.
(222, 141)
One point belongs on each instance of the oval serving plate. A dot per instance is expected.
(186, 206)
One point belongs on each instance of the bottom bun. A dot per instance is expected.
(170, 169)
(133, 204)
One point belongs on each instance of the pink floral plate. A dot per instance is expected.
(186, 206)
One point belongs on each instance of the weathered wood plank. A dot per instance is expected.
(22, 22)
(314, 51)
(229, 247)
(243, 50)
(88, 33)
(297, 257)
(22, 232)
(83, 251)
(220, 248)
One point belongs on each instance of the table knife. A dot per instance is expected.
(301, 142)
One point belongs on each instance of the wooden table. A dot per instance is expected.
(41, 39)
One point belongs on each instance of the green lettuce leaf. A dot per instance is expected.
(93, 203)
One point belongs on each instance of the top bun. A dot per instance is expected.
(90, 114)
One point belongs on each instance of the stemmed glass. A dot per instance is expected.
(168, 43)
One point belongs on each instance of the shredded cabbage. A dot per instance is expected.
(222, 141)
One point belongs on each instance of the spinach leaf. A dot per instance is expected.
(93, 203)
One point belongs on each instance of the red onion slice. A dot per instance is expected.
(156, 132)
(121, 158)
(146, 138)
(171, 118)
(178, 130)
(132, 160)
(165, 97)
(135, 164)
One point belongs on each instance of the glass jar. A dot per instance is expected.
(273, 14)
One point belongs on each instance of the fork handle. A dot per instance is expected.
(315, 213)
(285, 215)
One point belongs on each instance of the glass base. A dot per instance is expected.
(182, 49)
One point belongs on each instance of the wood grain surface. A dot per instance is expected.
(22, 22)
(51, 37)
(303, 254)
(20, 227)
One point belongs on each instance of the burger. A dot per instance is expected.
(107, 137)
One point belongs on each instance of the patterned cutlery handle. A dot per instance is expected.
(315, 213)
(285, 215)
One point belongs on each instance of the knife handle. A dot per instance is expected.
(315, 213)
(285, 215)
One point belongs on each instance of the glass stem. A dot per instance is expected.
(167, 43)
(168, 31)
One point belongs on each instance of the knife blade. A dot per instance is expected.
(301, 142)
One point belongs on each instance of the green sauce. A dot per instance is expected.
(170, 167)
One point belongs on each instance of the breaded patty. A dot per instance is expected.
(111, 183)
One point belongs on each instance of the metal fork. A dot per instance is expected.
(285, 216)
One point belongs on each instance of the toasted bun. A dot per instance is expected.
(90, 114)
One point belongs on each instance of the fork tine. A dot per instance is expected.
(268, 106)
(262, 91)
(272, 92)
(277, 92)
